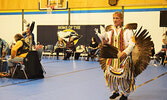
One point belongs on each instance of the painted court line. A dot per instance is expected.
(81, 71)
(49, 77)
(151, 80)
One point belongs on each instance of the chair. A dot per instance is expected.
(94, 55)
(29, 68)
(61, 53)
(163, 62)
(48, 50)
(84, 54)
(39, 49)
(97, 54)
(79, 50)
(21, 66)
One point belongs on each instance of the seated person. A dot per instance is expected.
(93, 46)
(3, 48)
(164, 40)
(152, 51)
(18, 52)
(10, 47)
(29, 37)
(79, 49)
(3, 52)
(59, 47)
(162, 53)
(70, 48)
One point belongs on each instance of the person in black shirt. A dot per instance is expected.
(93, 46)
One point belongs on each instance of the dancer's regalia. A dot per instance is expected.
(122, 71)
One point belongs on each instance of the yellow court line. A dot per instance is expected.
(81, 71)
(151, 80)
(50, 76)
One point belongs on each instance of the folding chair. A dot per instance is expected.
(48, 50)
(165, 60)
(21, 66)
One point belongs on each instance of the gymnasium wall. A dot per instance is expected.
(83, 12)
(11, 22)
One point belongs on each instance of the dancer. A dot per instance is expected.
(29, 36)
(116, 56)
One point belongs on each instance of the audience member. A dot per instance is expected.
(10, 48)
(93, 46)
(29, 37)
(60, 46)
(161, 55)
(152, 51)
(18, 52)
(70, 48)
(3, 48)
(164, 40)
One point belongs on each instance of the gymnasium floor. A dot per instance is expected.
(80, 80)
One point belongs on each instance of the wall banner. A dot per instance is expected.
(49, 34)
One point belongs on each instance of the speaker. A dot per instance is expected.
(163, 18)
(112, 2)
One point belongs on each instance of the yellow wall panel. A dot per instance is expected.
(88, 3)
(34, 4)
(18, 4)
(43, 3)
(142, 2)
(104, 3)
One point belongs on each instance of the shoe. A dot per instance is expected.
(9, 76)
(86, 59)
(65, 59)
(92, 58)
(114, 95)
(123, 97)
